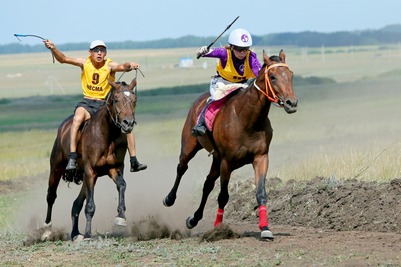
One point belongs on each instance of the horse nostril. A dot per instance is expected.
(127, 122)
(292, 103)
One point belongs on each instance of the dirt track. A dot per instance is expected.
(321, 222)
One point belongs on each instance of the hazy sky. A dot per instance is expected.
(83, 21)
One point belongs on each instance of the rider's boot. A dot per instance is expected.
(136, 166)
(200, 128)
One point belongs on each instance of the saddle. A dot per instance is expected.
(222, 95)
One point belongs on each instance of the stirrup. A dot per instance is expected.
(198, 130)
(71, 165)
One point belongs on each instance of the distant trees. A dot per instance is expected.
(388, 35)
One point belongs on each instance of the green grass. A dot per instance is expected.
(25, 154)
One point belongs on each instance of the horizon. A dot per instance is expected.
(65, 23)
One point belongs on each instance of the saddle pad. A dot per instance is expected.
(215, 106)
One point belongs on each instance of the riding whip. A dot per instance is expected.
(30, 35)
(212, 43)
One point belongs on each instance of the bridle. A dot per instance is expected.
(116, 111)
(269, 88)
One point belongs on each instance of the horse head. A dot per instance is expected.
(121, 103)
(275, 82)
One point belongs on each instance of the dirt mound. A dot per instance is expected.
(326, 203)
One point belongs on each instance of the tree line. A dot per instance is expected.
(390, 34)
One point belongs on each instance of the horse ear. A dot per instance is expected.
(132, 84)
(282, 56)
(266, 59)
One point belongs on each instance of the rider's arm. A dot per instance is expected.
(61, 57)
(127, 66)
(254, 63)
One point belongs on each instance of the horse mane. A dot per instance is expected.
(123, 83)
(272, 58)
(275, 58)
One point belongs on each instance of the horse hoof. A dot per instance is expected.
(266, 234)
(78, 238)
(46, 235)
(120, 221)
(189, 224)
(167, 202)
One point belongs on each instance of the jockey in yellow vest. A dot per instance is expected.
(96, 70)
(237, 64)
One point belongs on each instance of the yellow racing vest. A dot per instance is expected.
(229, 72)
(95, 81)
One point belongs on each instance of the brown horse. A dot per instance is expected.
(101, 151)
(241, 135)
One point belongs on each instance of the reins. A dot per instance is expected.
(136, 75)
(268, 85)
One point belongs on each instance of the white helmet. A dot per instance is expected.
(240, 37)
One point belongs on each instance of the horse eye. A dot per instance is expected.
(272, 78)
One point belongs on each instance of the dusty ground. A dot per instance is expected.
(322, 222)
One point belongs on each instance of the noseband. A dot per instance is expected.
(116, 111)
(269, 88)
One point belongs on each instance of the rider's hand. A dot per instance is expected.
(131, 66)
(49, 44)
(202, 51)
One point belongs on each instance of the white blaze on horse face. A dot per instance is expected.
(127, 93)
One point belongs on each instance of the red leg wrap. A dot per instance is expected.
(219, 217)
(263, 217)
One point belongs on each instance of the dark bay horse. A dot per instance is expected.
(101, 151)
(241, 135)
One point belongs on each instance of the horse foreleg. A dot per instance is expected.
(191, 148)
(260, 165)
(169, 200)
(121, 187)
(76, 210)
(207, 188)
(223, 195)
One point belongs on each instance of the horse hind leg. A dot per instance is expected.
(75, 211)
(54, 180)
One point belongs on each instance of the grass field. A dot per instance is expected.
(25, 75)
(350, 118)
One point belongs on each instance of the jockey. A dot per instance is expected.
(236, 64)
(96, 69)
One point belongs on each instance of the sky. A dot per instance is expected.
(115, 21)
